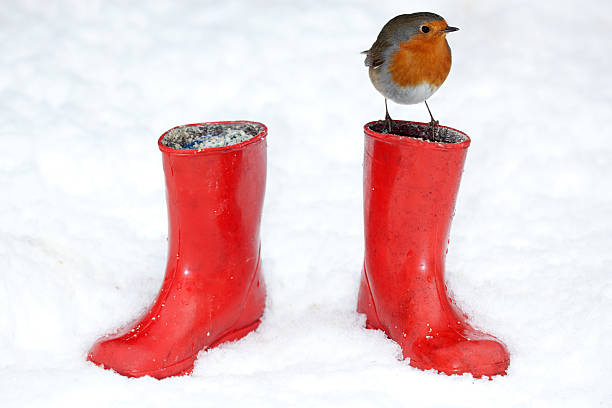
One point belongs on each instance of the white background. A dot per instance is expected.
(87, 87)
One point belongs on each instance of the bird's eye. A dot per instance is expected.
(425, 29)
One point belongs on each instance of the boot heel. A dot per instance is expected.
(236, 334)
(255, 301)
(365, 303)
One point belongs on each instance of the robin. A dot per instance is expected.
(410, 59)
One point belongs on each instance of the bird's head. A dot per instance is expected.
(417, 26)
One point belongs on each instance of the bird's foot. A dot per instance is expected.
(388, 122)
(432, 130)
(388, 125)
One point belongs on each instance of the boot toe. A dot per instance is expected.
(123, 357)
(109, 354)
(485, 356)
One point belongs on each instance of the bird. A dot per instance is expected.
(410, 60)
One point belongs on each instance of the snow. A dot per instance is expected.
(87, 88)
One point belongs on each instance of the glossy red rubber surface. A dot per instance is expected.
(410, 187)
(213, 289)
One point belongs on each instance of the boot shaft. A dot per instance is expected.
(215, 199)
(410, 189)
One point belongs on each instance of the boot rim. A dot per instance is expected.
(211, 150)
(417, 142)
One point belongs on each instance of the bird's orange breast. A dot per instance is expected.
(421, 60)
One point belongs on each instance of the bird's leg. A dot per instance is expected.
(433, 122)
(388, 120)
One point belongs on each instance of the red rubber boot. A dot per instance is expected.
(213, 289)
(410, 187)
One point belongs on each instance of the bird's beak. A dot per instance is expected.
(449, 29)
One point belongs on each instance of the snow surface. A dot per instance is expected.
(87, 87)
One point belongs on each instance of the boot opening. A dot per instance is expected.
(422, 131)
(207, 135)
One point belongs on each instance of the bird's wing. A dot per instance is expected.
(375, 56)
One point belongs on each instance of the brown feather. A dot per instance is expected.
(375, 56)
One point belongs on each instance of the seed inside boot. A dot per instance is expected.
(420, 131)
(209, 135)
